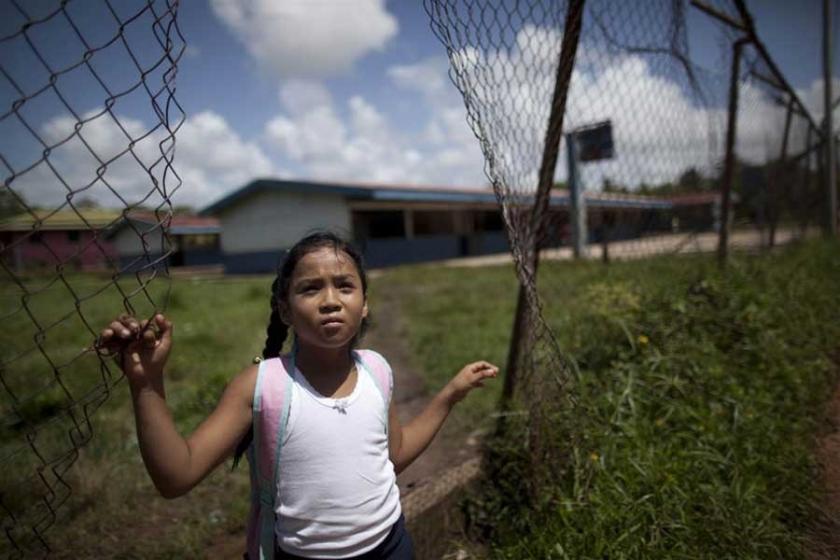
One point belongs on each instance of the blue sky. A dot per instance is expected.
(351, 90)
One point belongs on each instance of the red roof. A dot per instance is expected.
(689, 199)
(176, 220)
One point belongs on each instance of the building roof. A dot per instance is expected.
(178, 224)
(103, 218)
(81, 219)
(414, 193)
(698, 198)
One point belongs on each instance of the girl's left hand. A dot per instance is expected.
(471, 376)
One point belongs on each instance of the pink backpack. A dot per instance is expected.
(272, 399)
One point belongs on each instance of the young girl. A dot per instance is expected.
(334, 491)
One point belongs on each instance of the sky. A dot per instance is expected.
(357, 90)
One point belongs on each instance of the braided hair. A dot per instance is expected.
(277, 331)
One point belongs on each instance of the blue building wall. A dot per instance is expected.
(394, 251)
(257, 262)
(200, 257)
(136, 263)
(195, 257)
(428, 248)
(384, 252)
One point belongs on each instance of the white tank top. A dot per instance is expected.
(337, 494)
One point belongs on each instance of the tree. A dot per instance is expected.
(86, 203)
(183, 210)
(690, 180)
(608, 186)
(11, 203)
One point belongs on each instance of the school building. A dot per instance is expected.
(139, 240)
(398, 224)
(96, 239)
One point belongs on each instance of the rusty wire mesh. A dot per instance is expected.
(662, 191)
(504, 59)
(777, 183)
(88, 122)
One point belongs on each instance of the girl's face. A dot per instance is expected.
(325, 304)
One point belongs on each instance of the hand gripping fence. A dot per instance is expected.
(88, 122)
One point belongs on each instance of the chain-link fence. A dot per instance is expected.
(654, 151)
(88, 122)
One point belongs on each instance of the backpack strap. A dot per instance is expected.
(382, 375)
(272, 400)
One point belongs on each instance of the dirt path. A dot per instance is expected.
(825, 539)
(389, 335)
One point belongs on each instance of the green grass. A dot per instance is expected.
(700, 399)
(219, 328)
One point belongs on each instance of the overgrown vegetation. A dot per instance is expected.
(700, 394)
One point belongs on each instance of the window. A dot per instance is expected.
(433, 222)
(199, 241)
(73, 235)
(379, 224)
(489, 221)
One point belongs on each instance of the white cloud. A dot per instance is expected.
(213, 160)
(659, 130)
(429, 77)
(356, 141)
(812, 98)
(301, 38)
(299, 96)
(96, 163)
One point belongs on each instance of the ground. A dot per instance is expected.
(825, 540)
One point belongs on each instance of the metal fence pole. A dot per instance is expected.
(729, 164)
(565, 64)
(577, 203)
(830, 168)
(781, 180)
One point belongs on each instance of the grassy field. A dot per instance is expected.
(113, 510)
(701, 395)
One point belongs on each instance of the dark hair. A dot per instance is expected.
(277, 331)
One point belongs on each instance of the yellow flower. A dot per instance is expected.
(643, 339)
(594, 457)
(660, 422)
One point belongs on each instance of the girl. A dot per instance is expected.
(332, 492)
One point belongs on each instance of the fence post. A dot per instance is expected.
(568, 50)
(830, 168)
(577, 203)
(801, 210)
(781, 179)
(729, 163)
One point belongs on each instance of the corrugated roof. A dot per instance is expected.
(693, 199)
(416, 193)
(96, 218)
(101, 218)
(177, 220)
(179, 224)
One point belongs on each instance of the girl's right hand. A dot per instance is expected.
(143, 347)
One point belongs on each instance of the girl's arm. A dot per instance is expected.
(407, 442)
(174, 463)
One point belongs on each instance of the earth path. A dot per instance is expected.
(824, 542)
